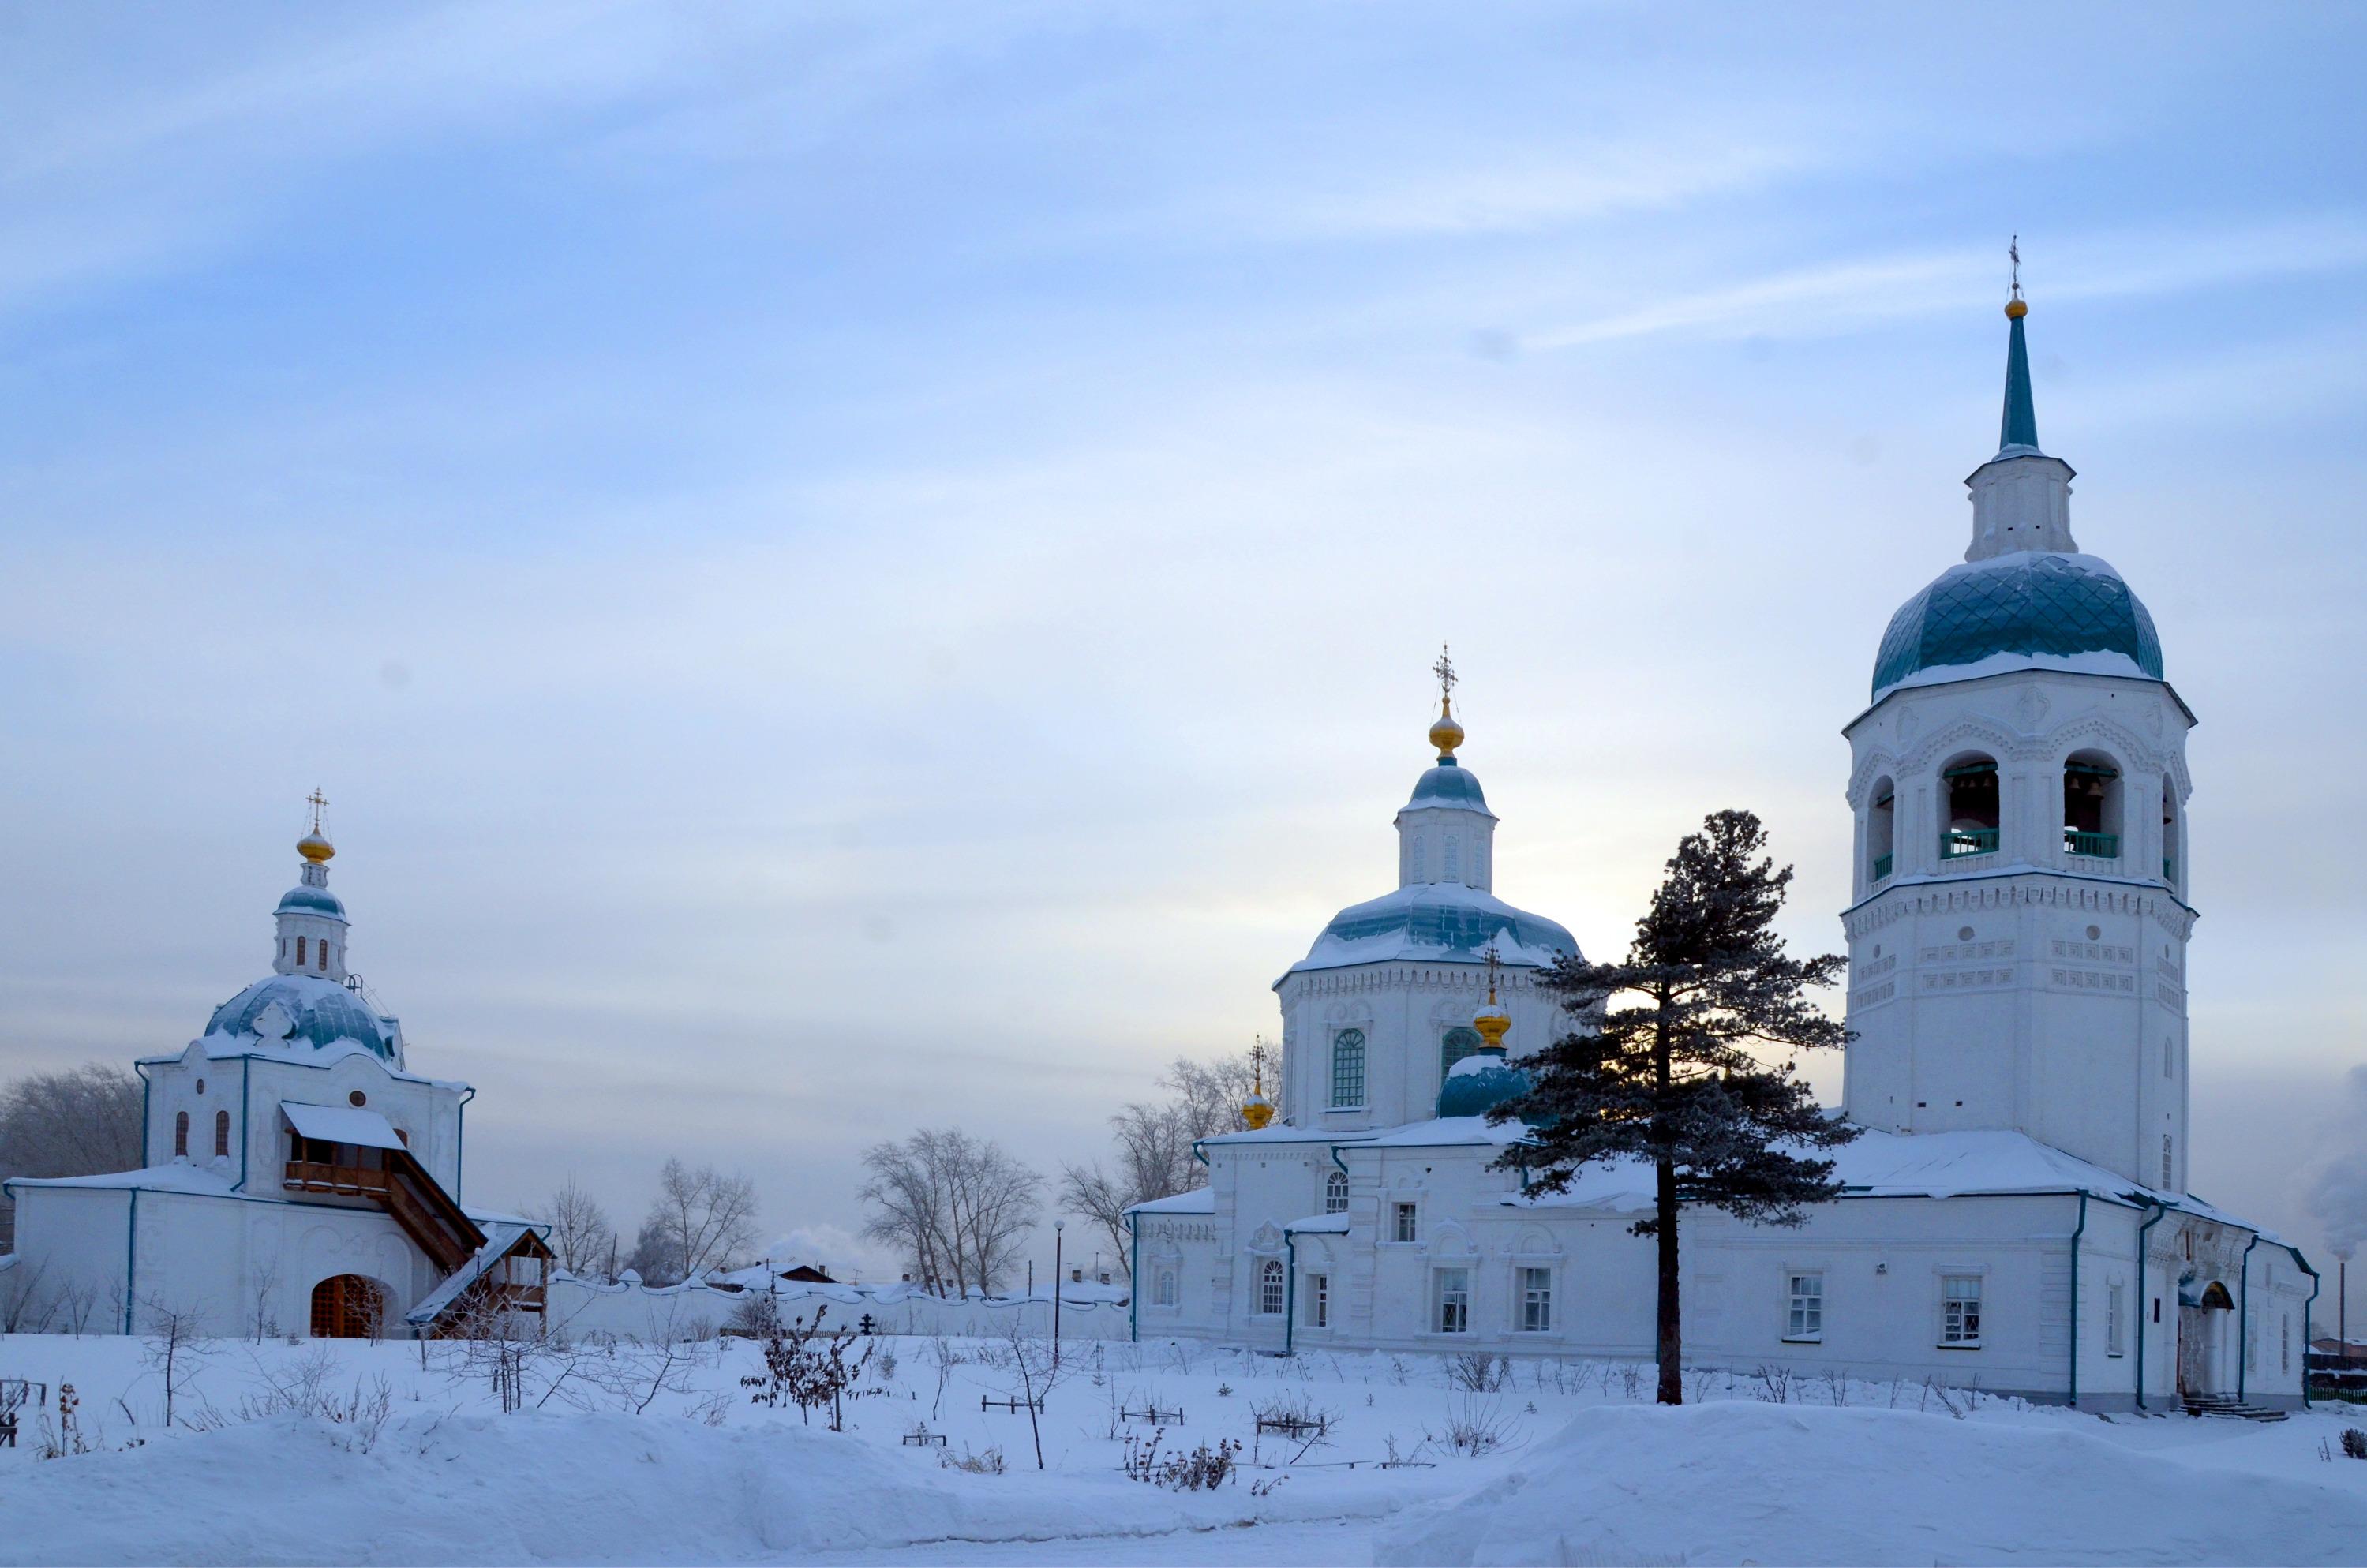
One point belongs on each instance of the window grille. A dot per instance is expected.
(1335, 1194)
(1270, 1287)
(1163, 1292)
(1536, 1300)
(2166, 1148)
(222, 1132)
(2115, 1320)
(1318, 1301)
(299, 952)
(1456, 1044)
(1959, 1309)
(180, 1131)
(1405, 1229)
(1805, 1318)
(1454, 1301)
(1348, 1069)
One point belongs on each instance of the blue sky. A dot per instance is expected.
(844, 569)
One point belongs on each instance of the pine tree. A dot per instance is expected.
(1660, 1066)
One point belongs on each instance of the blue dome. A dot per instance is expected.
(1439, 921)
(1480, 1084)
(323, 1012)
(310, 901)
(2030, 604)
(1448, 784)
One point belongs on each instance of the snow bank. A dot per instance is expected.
(549, 1488)
(1792, 1483)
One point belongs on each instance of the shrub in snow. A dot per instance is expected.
(809, 1368)
(2354, 1442)
(1475, 1372)
(1203, 1468)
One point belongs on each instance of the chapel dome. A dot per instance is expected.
(1449, 784)
(310, 901)
(317, 1012)
(1441, 921)
(2027, 609)
(1478, 1084)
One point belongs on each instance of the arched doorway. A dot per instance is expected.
(2200, 1328)
(348, 1307)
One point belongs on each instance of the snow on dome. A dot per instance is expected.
(1448, 784)
(2016, 611)
(1443, 921)
(314, 1012)
(310, 901)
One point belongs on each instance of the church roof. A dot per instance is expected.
(2028, 609)
(1448, 784)
(320, 1012)
(1440, 922)
(310, 901)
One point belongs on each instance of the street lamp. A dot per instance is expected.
(1058, 1226)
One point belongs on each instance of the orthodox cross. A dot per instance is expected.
(1444, 671)
(2013, 255)
(1257, 1066)
(1490, 956)
(319, 802)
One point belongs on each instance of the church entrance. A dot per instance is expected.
(348, 1307)
(2201, 1328)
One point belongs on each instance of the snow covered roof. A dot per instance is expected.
(499, 1240)
(343, 1124)
(1199, 1201)
(2026, 609)
(1914, 1165)
(303, 1010)
(1319, 1224)
(1446, 1132)
(174, 1178)
(1436, 921)
(231, 1047)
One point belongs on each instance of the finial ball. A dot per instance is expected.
(315, 847)
(2016, 310)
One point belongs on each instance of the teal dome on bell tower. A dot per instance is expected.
(2025, 597)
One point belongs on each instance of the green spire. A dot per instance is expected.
(2021, 424)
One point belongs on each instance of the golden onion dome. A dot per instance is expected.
(1257, 1111)
(1447, 735)
(2016, 310)
(1492, 1026)
(315, 847)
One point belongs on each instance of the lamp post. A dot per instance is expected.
(1058, 1226)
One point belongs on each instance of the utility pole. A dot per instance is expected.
(1058, 1226)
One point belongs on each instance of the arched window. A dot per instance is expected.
(1881, 822)
(1162, 1293)
(348, 1307)
(222, 1132)
(321, 956)
(1453, 859)
(2091, 806)
(1335, 1194)
(1456, 1044)
(1969, 784)
(1270, 1287)
(299, 952)
(180, 1131)
(1348, 1069)
(1421, 858)
(2167, 1148)
(2168, 833)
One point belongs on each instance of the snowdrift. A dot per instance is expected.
(1730, 1484)
(574, 1488)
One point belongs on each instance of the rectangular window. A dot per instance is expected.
(2165, 1163)
(299, 952)
(1959, 1309)
(1536, 1300)
(1407, 1229)
(2284, 1344)
(2252, 1344)
(2115, 1320)
(1348, 1069)
(1163, 1293)
(1318, 1301)
(1805, 1316)
(1454, 1297)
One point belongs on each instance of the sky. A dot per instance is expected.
(850, 568)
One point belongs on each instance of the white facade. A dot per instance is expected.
(2015, 1215)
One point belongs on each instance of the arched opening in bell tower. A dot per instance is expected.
(2169, 834)
(2091, 806)
(1969, 785)
(1881, 825)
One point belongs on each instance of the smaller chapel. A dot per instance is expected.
(296, 1176)
(2015, 1213)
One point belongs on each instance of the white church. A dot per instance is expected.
(295, 1177)
(2015, 1215)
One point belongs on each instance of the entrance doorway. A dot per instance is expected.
(348, 1307)
(2202, 1333)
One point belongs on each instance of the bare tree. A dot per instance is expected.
(175, 1347)
(1154, 1144)
(81, 1122)
(262, 1289)
(700, 1219)
(957, 1206)
(580, 1233)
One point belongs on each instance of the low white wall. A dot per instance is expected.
(643, 1311)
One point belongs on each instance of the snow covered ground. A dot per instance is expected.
(351, 1452)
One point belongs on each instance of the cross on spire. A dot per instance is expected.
(2013, 255)
(1444, 671)
(319, 802)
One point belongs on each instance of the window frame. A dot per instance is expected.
(1335, 1192)
(222, 1134)
(181, 1134)
(1360, 1045)
(1450, 1302)
(1272, 1286)
(1163, 1289)
(1319, 1300)
(1405, 1223)
(1954, 1338)
(1535, 1302)
(2116, 1319)
(1804, 1309)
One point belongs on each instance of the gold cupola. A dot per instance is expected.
(314, 846)
(1257, 1111)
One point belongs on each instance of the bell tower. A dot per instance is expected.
(2018, 932)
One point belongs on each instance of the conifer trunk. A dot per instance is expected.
(1671, 1343)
